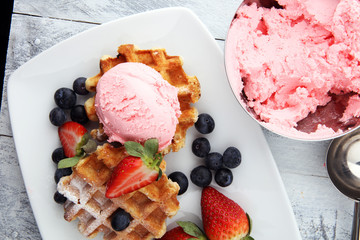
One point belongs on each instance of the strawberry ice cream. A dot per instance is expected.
(134, 103)
(296, 67)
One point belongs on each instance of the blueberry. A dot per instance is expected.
(61, 172)
(79, 86)
(205, 123)
(214, 161)
(57, 155)
(78, 114)
(232, 157)
(120, 220)
(65, 98)
(201, 176)
(223, 177)
(180, 179)
(59, 198)
(201, 147)
(57, 116)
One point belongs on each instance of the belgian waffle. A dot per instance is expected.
(170, 67)
(85, 189)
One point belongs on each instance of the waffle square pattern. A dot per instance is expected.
(85, 190)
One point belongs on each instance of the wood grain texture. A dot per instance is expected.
(320, 210)
(308, 157)
(30, 36)
(216, 15)
(16, 218)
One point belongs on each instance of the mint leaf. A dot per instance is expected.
(134, 149)
(191, 229)
(69, 162)
(151, 147)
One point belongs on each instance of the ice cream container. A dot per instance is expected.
(294, 65)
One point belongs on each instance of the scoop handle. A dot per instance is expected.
(356, 222)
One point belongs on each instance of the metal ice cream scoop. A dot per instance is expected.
(343, 166)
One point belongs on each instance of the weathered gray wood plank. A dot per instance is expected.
(216, 15)
(16, 218)
(321, 211)
(30, 36)
(301, 157)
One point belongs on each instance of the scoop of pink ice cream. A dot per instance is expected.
(134, 103)
(287, 62)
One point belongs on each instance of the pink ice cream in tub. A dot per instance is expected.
(134, 103)
(294, 65)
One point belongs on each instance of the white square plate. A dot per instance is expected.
(257, 185)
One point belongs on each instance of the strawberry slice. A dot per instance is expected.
(223, 219)
(129, 175)
(135, 171)
(72, 137)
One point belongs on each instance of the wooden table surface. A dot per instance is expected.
(321, 211)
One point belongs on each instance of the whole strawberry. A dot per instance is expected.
(223, 219)
(185, 231)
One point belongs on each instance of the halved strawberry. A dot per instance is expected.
(72, 137)
(223, 219)
(135, 171)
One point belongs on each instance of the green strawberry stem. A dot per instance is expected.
(160, 174)
(84, 140)
(148, 153)
(134, 148)
(90, 146)
(151, 147)
(248, 237)
(250, 223)
(191, 229)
